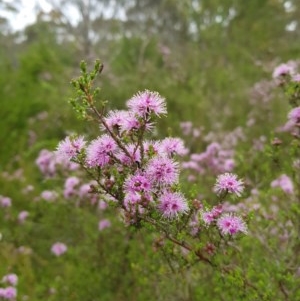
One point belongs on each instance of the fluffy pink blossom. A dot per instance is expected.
(11, 279)
(135, 155)
(285, 183)
(229, 182)
(162, 170)
(99, 151)
(115, 120)
(151, 147)
(230, 224)
(137, 183)
(147, 102)
(171, 204)
(71, 147)
(132, 198)
(207, 217)
(58, 248)
(294, 115)
(105, 223)
(210, 216)
(173, 146)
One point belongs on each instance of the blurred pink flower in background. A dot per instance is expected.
(70, 147)
(11, 279)
(49, 195)
(22, 216)
(8, 293)
(58, 248)
(103, 224)
(5, 201)
(284, 69)
(285, 183)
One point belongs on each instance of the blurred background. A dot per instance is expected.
(201, 55)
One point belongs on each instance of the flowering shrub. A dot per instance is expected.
(217, 236)
(139, 176)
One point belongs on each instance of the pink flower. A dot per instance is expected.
(70, 147)
(294, 115)
(162, 170)
(46, 162)
(207, 217)
(9, 293)
(296, 78)
(151, 147)
(22, 216)
(210, 216)
(11, 279)
(99, 151)
(115, 119)
(58, 248)
(5, 201)
(137, 183)
(283, 69)
(134, 153)
(186, 127)
(171, 204)
(172, 146)
(71, 182)
(230, 224)
(105, 223)
(84, 190)
(147, 102)
(285, 183)
(69, 187)
(124, 121)
(132, 198)
(49, 195)
(102, 205)
(228, 182)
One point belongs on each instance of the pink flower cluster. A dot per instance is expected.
(141, 176)
(10, 292)
(48, 162)
(214, 159)
(147, 169)
(218, 157)
(227, 223)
